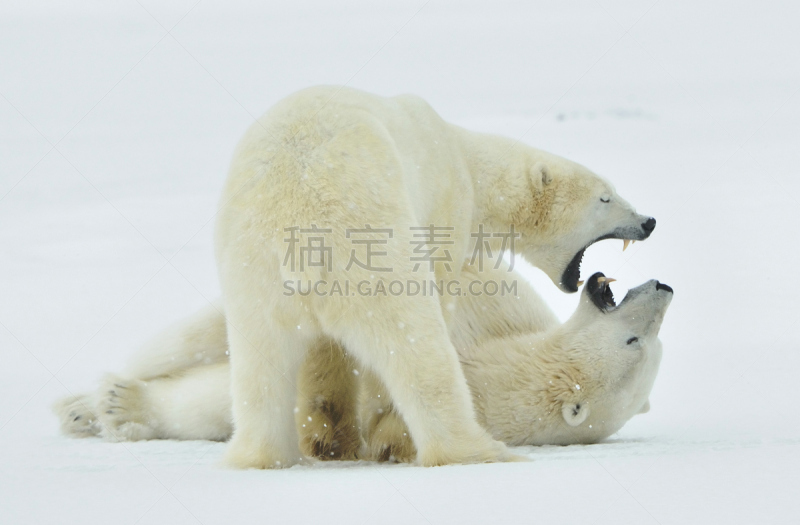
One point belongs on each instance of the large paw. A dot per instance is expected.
(77, 417)
(123, 412)
(328, 432)
(479, 449)
(389, 440)
(247, 453)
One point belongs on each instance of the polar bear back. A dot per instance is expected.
(345, 159)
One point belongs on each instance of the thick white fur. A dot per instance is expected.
(533, 381)
(575, 383)
(342, 159)
(197, 340)
(184, 372)
(177, 386)
(337, 158)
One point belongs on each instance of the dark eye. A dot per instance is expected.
(605, 199)
(632, 340)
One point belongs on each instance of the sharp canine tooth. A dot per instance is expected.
(625, 244)
(605, 279)
(580, 283)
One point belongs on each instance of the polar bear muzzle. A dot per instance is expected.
(570, 279)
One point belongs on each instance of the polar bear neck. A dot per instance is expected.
(500, 171)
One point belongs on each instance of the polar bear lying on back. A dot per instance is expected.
(533, 381)
(339, 161)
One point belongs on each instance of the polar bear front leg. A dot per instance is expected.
(265, 357)
(327, 418)
(386, 434)
(404, 340)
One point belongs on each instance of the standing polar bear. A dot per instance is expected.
(327, 163)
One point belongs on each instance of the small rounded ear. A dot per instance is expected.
(539, 175)
(575, 413)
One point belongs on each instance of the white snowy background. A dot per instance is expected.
(117, 122)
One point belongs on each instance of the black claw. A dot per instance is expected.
(77, 418)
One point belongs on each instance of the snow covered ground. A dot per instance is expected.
(117, 121)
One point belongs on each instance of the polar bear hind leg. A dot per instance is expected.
(192, 404)
(200, 339)
(77, 416)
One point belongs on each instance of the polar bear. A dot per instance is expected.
(533, 381)
(327, 162)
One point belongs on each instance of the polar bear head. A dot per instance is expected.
(566, 210)
(613, 353)
(578, 382)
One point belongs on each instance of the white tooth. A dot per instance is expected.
(580, 283)
(625, 244)
(605, 279)
(633, 242)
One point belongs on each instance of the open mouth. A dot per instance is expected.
(570, 279)
(599, 289)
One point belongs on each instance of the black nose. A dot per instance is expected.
(665, 287)
(649, 225)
